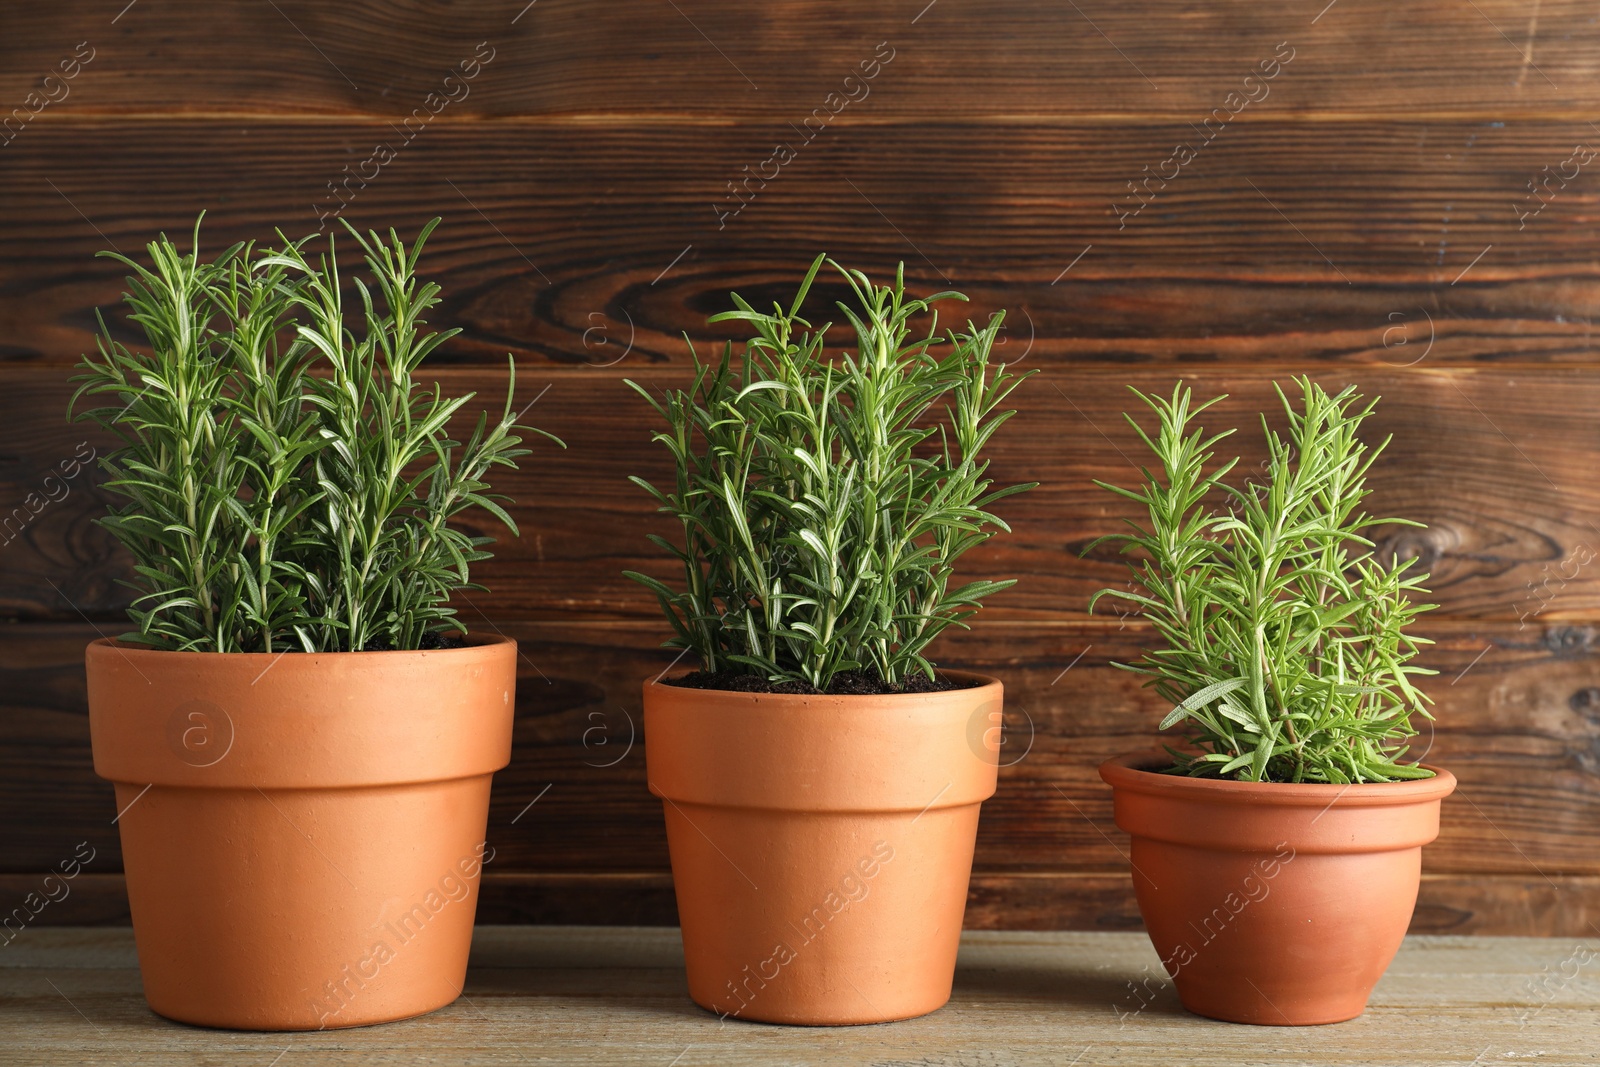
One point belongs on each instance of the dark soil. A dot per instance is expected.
(430, 641)
(846, 683)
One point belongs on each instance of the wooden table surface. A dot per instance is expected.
(616, 995)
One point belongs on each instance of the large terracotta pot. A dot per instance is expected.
(302, 833)
(1274, 904)
(821, 845)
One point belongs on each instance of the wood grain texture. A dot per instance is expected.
(1517, 722)
(1475, 904)
(1564, 905)
(1385, 242)
(576, 995)
(1369, 220)
(562, 60)
(1498, 462)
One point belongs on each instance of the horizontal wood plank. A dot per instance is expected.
(1457, 904)
(1518, 722)
(598, 248)
(1498, 462)
(1408, 203)
(564, 60)
(587, 995)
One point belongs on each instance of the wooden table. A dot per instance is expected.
(616, 995)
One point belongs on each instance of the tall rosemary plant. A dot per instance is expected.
(289, 484)
(1285, 649)
(824, 505)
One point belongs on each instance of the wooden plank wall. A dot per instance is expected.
(1401, 196)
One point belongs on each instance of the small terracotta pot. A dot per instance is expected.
(821, 845)
(302, 833)
(1269, 903)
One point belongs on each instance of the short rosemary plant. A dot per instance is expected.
(289, 484)
(824, 505)
(1286, 652)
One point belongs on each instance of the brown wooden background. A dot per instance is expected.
(1361, 223)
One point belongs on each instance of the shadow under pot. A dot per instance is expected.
(303, 833)
(822, 845)
(1271, 903)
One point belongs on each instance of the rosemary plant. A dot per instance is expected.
(824, 505)
(1286, 652)
(289, 483)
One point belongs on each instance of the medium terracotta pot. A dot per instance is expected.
(821, 845)
(1274, 904)
(302, 833)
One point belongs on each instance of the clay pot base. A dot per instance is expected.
(821, 844)
(856, 921)
(1234, 1009)
(303, 955)
(303, 853)
(815, 1024)
(354, 1024)
(1274, 904)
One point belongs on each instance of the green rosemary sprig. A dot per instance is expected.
(823, 506)
(1285, 646)
(289, 483)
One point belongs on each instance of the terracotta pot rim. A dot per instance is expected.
(724, 696)
(317, 720)
(1133, 772)
(471, 643)
(823, 753)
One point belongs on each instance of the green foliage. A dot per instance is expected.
(1286, 652)
(824, 505)
(288, 483)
